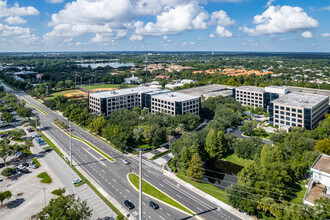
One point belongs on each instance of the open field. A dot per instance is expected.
(68, 93)
(105, 86)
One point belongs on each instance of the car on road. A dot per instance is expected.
(129, 204)
(33, 166)
(31, 130)
(75, 181)
(48, 150)
(154, 205)
(126, 162)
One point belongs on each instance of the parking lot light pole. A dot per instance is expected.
(44, 195)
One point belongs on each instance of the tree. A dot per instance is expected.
(24, 112)
(323, 146)
(97, 124)
(69, 208)
(5, 150)
(232, 82)
(184, 158)
(5, 195)
(17, 133)
(7, 117)
(195, 169)
(248, 127)
(214, 145)
(262, 85)
(248, 147)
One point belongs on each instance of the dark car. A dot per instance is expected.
(48, 150)
(2, 165)
(3, 135)
(24, 170)
(25, 164)
(129, 204)
(154, 205)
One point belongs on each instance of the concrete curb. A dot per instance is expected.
(207, 196)
(87, 176)
(161, 200)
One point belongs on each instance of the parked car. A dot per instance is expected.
(154, 205)
(3, 135)
(75, 181)
(1, 180)
(48, 150)
(28, 128)
(126, 162)
(129, 204)
(12, 138)
(31, 162)
(34, 166)
(19, 154)
(36, 136)
(24, 170)
(2, 165)
(31, 130)
(25, 164)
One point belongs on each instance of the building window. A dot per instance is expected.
(287, 123)
(299, 116)
(299, 111)
(282, 122)
(288, 109)
(282, 112)
(293, 110)
(294, 124)
(299, 121)
(293, 119)
(282, 108)
(288, 118)
(288, 113)
(294, 115)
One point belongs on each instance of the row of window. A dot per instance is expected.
(162, 106)
(165, 111)
(162, 101)
(248, 93)
(288, 114)
(191, 102)
(288, 109)
(287, 123)
(122, 102)
(288, 118)
(249, 97)
(190, 107)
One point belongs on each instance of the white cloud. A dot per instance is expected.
(307, 35)
(174, 20)
(15, 20)
(135, 37)
(269, 3)
(281, 19)
(221, 32)
(326, 35)
(226, 0)
(221, 18)
(55, 1)
(15, 10)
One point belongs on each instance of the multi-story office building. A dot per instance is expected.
(256, 96)
(175, 103)
(298, 110)
(144, 97)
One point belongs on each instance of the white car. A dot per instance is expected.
(75, 181)
(126, 162)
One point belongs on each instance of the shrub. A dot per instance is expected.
(45, 178)
(7, 171)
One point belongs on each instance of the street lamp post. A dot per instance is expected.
(43, 188)
(70, 144)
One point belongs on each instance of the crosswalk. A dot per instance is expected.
(148, 163)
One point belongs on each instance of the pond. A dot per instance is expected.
(221, 173)
(112, 64)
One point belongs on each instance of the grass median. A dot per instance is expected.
(156, 193)
(42, 111)
(52, 145)
(160, 155)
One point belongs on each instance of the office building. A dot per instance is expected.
(155, 100)
(298, 109)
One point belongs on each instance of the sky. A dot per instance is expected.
(165, 25)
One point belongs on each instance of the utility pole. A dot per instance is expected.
(43, 188)
(36, 120)
(140, 183)
(70, 144)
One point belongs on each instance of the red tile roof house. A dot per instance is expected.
(319, 184)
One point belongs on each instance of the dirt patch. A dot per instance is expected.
(76, 94)
(102, 89)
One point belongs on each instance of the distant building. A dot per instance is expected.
(132, 80)
(155, 100)
(179, 83)
(298, 109)
(319, 185)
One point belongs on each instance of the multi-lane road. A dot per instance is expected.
(112, 176)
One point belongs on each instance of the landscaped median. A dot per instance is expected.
(89, 144)
(39, 109)
(152, 191)
(52, 145)
(44, 178)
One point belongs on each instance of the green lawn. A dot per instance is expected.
(235, 159)
(53, 95)
(57, 192)
(80, 184)
(36, 162)
(299, 194)
(205, 187)
(45, 178)
(160, 155)
(105, 86)
(152, 191)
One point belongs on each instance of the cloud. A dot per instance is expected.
(135, 37)
(174, 20)
(55, 1)
(269, 3)
(281, 19)
(326, 35)
(221, 32)
(221, 19)
(15, 10)
(15, 20)
(327, 8)
(307, 35)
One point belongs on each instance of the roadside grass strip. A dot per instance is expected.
(80, 183)
(36, 162)
(160, 155)
(44, 177)
(52, 145)
(155, 193)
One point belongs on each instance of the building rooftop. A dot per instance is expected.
(303, 100)
(251, 88)
(322, 163)
(209, 90)
(127, 91)
(309, 90)
(175, 96)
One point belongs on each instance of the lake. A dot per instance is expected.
(112, 64)
(221, 173)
